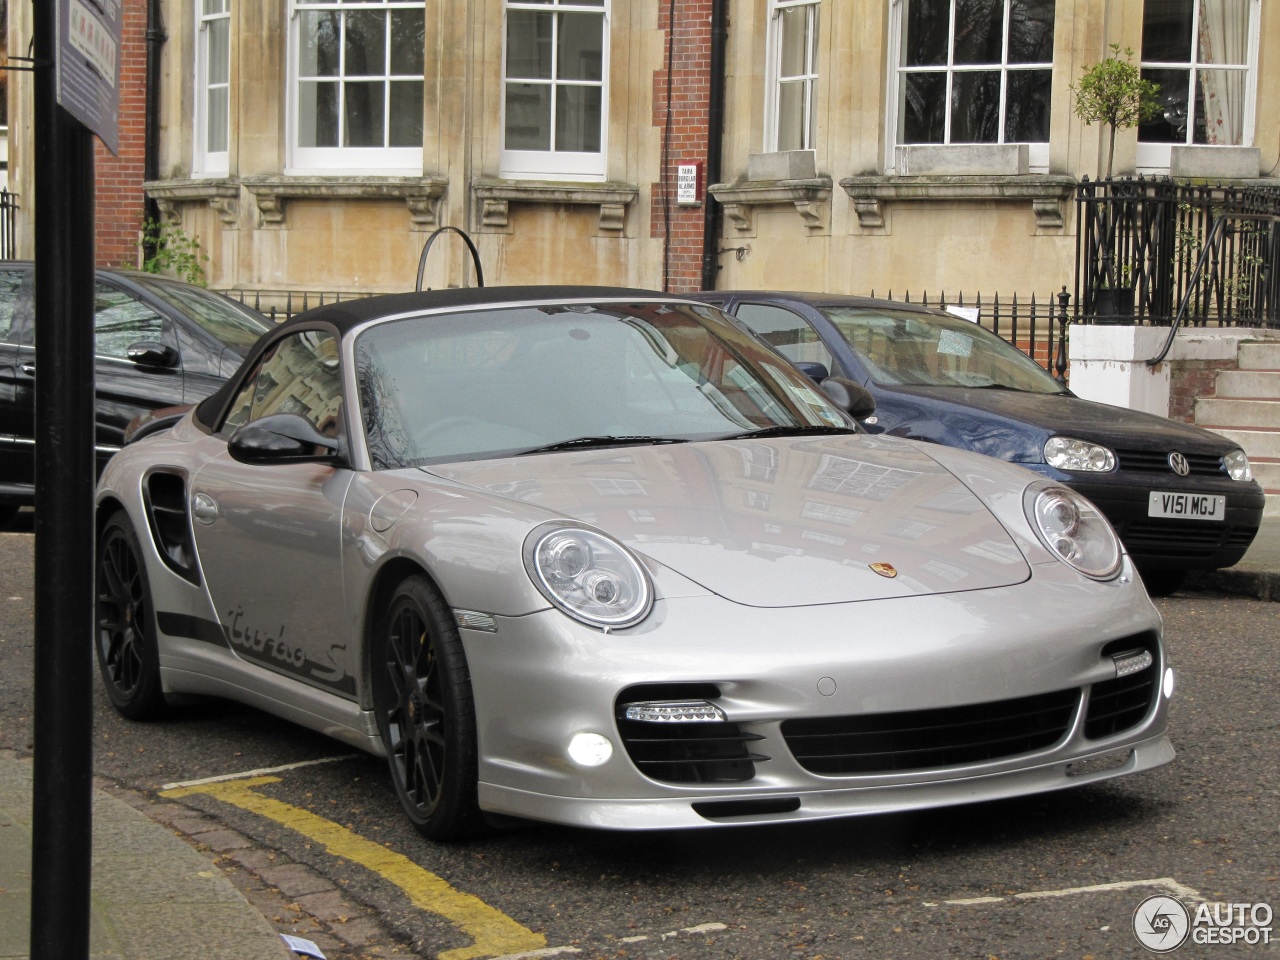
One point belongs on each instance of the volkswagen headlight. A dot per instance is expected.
(590, 576)
(1237, 465)
(1074, 530)
(1067, 453)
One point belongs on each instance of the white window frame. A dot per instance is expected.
(1037, 153)
(565, 165)
(807, 79)
(206, 162)
(403, 161)
(1155, 157)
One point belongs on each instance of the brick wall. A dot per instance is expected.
(118, 196)
(1190, 380)
(690, 82)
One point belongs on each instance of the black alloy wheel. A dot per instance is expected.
(128, 656)
(426, 714)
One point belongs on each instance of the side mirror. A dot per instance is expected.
(152, 353)
(815, 371)
(849, 396)
(282, 438)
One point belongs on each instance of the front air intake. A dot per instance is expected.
(674, 733)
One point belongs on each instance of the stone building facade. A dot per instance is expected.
(846, 145)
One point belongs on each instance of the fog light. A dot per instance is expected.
(1168, 683)
(589, 749)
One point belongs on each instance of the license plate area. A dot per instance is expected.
(1187, 506)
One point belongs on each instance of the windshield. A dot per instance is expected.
(230, 323)
(506, 380)
(935, 350)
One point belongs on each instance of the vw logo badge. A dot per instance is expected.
(1179, 464)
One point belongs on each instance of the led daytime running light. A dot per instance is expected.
(674, 711)
(1135, 661)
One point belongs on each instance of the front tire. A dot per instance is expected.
(128, 654)
(426, 714)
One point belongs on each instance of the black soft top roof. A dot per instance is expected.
(346, 315)
(813, 299)
(349, 314)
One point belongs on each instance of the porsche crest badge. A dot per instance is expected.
(885, 569)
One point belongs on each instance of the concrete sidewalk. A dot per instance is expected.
(155, 897)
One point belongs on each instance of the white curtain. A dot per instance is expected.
(1224, 39)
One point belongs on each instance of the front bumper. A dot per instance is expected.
(542, 679)
(1162, 543)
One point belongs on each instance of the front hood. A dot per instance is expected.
(1060, 414)
(778, 522)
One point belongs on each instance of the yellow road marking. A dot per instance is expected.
(493, 932)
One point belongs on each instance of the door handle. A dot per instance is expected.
(28, 368)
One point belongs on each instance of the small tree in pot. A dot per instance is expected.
(1113, 92)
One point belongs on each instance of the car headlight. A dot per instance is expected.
(590, 576)
(1237, 464)
(1074, 530)
(1066, 453)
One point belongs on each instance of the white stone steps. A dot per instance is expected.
(1258, 444)
(1246, 410)
(1234, 413)
(1259, 356)
(1248, 384)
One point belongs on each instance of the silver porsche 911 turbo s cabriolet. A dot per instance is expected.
(597, 557)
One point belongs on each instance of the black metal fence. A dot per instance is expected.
(1146, 246)
(1032, 324)
(280, 305)
(8, 225)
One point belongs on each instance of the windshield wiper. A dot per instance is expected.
(583, 443)
(792, 430)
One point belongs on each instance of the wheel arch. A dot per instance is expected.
(388, 577)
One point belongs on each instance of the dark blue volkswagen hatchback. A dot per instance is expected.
(1180, 497)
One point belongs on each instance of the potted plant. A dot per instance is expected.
(1113, 92)
(1113, 297)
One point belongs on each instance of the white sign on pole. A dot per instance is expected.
(88, 66)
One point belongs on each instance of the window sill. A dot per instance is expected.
(421, 195)
(493, 199)
(222, 194)
(811, 198)
(1046, 194)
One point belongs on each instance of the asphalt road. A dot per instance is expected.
(1058, 875)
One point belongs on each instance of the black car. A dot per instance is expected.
(1180, 497)
(158, 343)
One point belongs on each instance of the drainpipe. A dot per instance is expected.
(712, 212)
(156, 38)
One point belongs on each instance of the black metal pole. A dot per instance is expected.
(62, 824)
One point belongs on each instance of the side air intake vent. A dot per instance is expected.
(166, 500)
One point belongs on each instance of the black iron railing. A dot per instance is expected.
(1033, 324)
(8, 225)
(1140, 241)
(280, 305)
